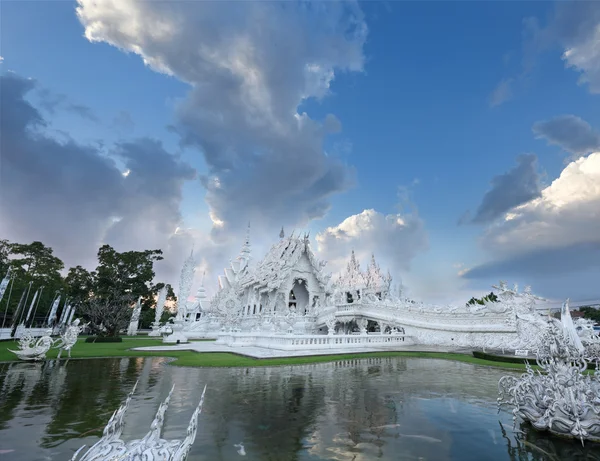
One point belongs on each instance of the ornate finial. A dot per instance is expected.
(282, 233)
(202, 280)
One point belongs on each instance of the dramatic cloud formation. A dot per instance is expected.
(249, 69)
(395, 239)
(517, 186)
(72, 196)
(556, 233)
(569, 132)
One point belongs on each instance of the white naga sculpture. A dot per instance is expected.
(69, 337)
(563, 399)
(151, 448)
(31, 348)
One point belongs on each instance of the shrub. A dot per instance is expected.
(103, 339)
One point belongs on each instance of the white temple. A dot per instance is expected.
(286, 301)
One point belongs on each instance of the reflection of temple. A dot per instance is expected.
(360, 410)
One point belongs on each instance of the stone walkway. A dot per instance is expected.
(264, 353)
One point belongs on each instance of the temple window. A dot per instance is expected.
(349, 298)
(254, 311)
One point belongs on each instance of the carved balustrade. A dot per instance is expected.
(303, 342)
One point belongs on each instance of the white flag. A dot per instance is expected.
(52, 316)
(160, 304)
(31, 306)
(70, 319)
(66, 312)
(4, 284)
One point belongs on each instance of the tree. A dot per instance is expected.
(489, 298)
(107, 295)
(129, 272)
(5, 251)
(590, 313)
(36, 263)
(108, 314)
(80, 284)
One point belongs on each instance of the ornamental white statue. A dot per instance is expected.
(34, 349)
(69, 337)
(151, 448)
(563, 399)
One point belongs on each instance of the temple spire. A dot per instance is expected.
(282, 233)
(245, 255)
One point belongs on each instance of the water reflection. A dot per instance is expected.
(390, 408)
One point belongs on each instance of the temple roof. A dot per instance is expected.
(276, 267)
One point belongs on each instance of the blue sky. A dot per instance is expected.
(417, 115)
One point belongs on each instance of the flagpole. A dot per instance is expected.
(36, 306)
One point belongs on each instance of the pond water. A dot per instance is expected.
(385, 409)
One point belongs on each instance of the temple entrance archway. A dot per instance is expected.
(299, 297)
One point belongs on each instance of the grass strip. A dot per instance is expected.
(83, 350)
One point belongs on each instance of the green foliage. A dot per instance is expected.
(103, 339)
(35, 263)
(119, 280)
(591, 313)
(4, 253)
(129, 272)
(80, 284)
(489, 298)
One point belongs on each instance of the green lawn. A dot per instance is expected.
(223, 359)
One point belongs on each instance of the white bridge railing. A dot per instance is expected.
(303, 342)
(459, 322)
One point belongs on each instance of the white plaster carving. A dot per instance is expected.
(158, 311)
(185, 285)
(150, 448)
(34, 349)
(135, 318)
(287, 291)
(563, 399)
(69, 338)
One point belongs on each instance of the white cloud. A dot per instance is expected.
(551, 242)
(577, 26)
(249, 65)
(567, 213)
(395, 239)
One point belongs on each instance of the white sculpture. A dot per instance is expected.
(158, 311)
(135, 318)
(150, 448)
(34, 349)
(563, 399)
(185, 284)
(69, 337)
